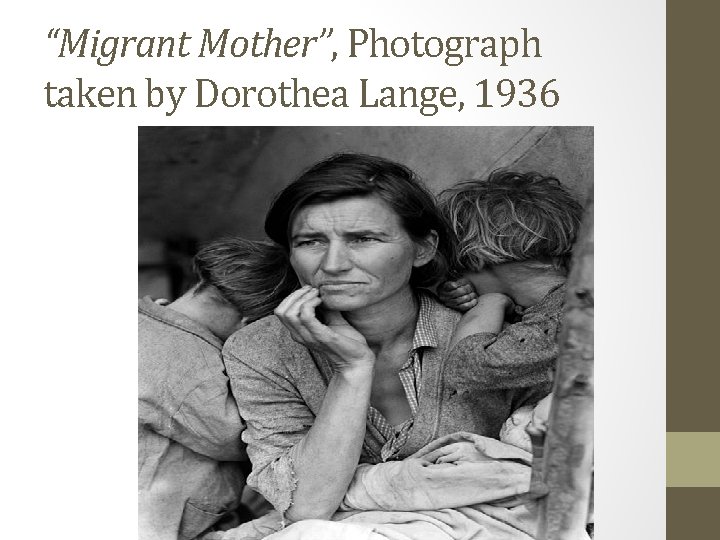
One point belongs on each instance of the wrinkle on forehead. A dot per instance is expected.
(348, 216)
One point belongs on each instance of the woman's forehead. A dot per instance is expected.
(347, 215)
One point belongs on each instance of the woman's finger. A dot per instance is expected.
(318, 332)
(340, 340)
(336, 333)
(289, 313)
(289, 300)
(334, 318)
(306, 323)
(433, 456)
(306, 314)
(439, 452)
(294, 310)
(449, 458)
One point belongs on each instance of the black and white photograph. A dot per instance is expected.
(365, 332)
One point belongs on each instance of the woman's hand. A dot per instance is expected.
(341, 343)
(459, 295)
(327, 455)
(456, 452)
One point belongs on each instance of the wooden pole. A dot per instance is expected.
(568, 451)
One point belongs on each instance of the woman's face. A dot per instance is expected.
(355, 251)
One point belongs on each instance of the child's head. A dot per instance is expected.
(253, 277)
(512, 217)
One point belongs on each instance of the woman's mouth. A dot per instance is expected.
(331, 286)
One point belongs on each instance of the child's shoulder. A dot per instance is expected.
(550, 306)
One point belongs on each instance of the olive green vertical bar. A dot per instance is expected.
(693, 216)
(693, 258)
(692, 513)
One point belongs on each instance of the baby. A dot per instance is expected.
(515, 234)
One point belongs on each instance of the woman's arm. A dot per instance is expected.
(327, 456)
(302, 463)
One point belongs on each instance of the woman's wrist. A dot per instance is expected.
(358, 372)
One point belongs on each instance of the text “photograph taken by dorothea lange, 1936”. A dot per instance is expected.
(365, 332)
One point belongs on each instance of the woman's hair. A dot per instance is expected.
(343, 176)
(252, 276)
(512, 217)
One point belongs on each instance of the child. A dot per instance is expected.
(515, 234)
(190, 455)
(515, 429)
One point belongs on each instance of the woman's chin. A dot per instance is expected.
(339, 302)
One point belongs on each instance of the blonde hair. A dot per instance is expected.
(512, 217)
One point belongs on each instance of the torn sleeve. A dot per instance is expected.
(276, 416)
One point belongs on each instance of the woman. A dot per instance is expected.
(351, 368)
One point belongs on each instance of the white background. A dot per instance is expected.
(69, 222)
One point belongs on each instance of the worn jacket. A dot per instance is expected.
(280, 385)
(189, 447)
(484, 367)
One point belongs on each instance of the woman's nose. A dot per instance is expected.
(336, 258)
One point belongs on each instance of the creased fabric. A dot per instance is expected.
(522, 355)
(415, 499)
(416, 484)
(189, 449)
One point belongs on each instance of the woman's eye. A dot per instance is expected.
(306, 243)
